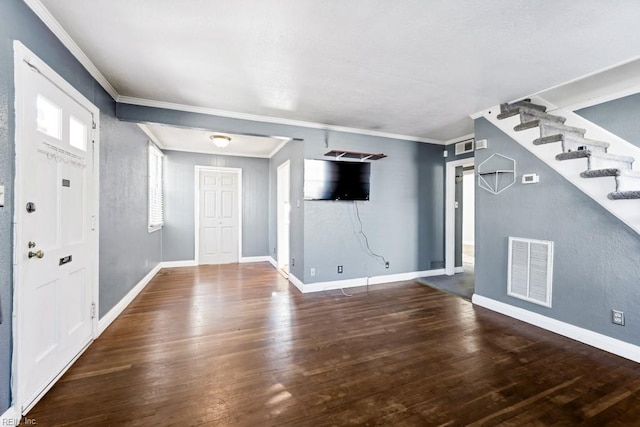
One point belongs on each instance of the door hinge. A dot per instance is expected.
(93, 222)
(93, 310)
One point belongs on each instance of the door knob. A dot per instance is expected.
(38, 254)
(32, 245)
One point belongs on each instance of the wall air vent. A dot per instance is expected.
(464, 147)
(530, 270)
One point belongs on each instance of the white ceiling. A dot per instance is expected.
(199, 141)
(413, 67)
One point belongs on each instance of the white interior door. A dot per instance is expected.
(219, 217)
(283, 214)
(54, 254)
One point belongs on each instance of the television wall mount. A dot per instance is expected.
(341, 154)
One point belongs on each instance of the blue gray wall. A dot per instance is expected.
(620, 116)
(178, 239)
(294, 152)
(403, 220)
(596, 266)
(117, 202)
(125, 241)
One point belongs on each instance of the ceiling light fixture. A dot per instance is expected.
(220, 141)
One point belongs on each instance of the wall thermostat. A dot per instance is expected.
(530, 178)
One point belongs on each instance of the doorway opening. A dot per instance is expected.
(283, 215)
(458, 277)
(468, 218)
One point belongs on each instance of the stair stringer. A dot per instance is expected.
(627, 211)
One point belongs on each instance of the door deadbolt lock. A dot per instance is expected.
(32, 245)
(31, 207)
(38, 254)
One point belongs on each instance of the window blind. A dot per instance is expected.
(156, 194)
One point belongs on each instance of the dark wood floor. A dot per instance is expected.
(238, 345)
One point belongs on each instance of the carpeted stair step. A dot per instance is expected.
(526, 103)
(550, 130)
(627, 180)
(572, 142)
(599, 164)
(528, 114)
(625, 195)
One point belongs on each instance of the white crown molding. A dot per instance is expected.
(55, 27)
(459, 139)
(267, 119)
(43, 13)
(606, 81)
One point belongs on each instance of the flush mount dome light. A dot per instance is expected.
(220, 141)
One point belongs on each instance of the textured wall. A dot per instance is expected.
(127, 250)
(134, 252)
(403, 220)
(294, 152)
(619, 116)
(178, 240)
(596, 266)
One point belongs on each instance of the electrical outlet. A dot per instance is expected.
(617, 317)
(312, 271)
(340, 269)
(274, 250)
(386, 264)
(293, 262)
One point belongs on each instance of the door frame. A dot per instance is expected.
(196, 230)
(285, 164)
(23, 54)
(450, 212)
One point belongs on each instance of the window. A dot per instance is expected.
(49, 118)
(156, 195)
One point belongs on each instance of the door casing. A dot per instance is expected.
(283, 185)
(23, 54)
(450, 220)
(196, 230)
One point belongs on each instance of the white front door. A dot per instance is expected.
(219, 217)
(54, 250)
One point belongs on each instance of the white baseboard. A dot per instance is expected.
(246, 259)
(184, 263)
(273, 262)
(361, 281)
(458, 270)
(11, 417)
(108, 318)
(594, 339)
(296, 282)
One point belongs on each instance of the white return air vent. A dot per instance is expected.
(530, 270)
(464, 147)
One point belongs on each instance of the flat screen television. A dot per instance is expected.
(336, 180)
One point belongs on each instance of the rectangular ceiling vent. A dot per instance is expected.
(464, 147)
(530, 270)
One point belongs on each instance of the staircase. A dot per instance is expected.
(600, 163)
(590, 164)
